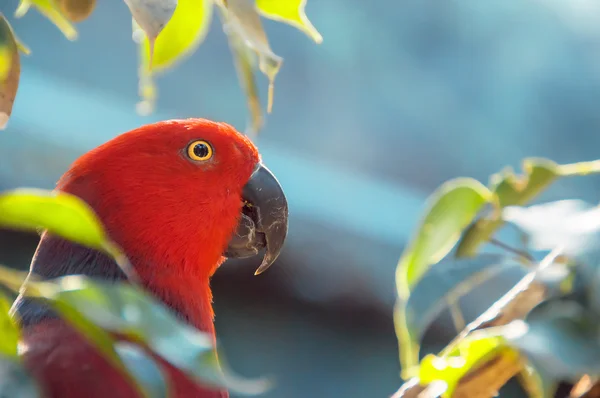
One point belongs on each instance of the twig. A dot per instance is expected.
(511, 249)
(457, 317)
(586, 387)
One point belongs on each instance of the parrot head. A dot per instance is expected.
(180, 196)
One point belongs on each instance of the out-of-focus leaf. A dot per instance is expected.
(242, 17)
(145, 370)
(98, 337)
(151, 16)
(510, 190)
(568, 223)
(104, 343)
(76, 10)
(516, 190)
(128, 311)
(450, 209)
(32, 287)
(245, 59)
(290, 12)
(50, 9)
(181, 36)
(561, 340)
(16, 382)
(8, 330)
(10, 70)
(466, 355)
(408, 345)
(60, 213)
(444, 284)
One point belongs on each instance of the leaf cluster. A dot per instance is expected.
(553, 337)
(167, 32)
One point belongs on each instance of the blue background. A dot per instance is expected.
(400, 96)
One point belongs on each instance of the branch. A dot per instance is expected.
(485, 380)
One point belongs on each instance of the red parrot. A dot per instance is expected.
(178, 197)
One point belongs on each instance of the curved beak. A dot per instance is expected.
(264, 219)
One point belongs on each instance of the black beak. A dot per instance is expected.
(264, 219)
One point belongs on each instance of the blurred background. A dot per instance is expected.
(401, 96)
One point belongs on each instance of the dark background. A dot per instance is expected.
(401, 96)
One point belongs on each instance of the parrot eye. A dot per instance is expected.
(199, 151)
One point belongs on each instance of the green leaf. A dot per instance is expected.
(509, 190)
(441, 287)
(61, 214)
(130, 312)
(447, 281)
(242, 16)
(33, 287)
(146, 371)
(408, 345)
(560, 341)
(76, 10)
(9, 331)
(180, 38)
(513, 190)
(245, 59)
(10, 70)
(151, 16)
(50, 10)
(98, 337)
(469, 353)
(290, 12)
(450, 209)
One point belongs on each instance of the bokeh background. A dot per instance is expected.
(400, 96)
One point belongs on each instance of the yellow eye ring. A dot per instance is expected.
(200, 151)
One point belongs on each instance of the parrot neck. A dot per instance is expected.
(189, 297)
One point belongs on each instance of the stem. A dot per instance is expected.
(457, 316)
(581, 168)
(511, 249)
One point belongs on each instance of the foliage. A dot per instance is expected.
(99, 310)
(167, 32)
(558, 340)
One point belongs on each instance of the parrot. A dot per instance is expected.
(179, 197)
